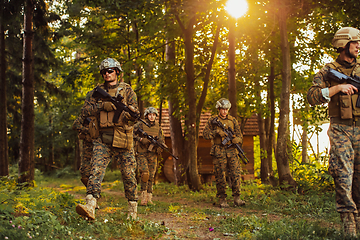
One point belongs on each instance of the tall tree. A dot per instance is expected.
(4, 160)
(26, 162)
(188, 26)
(283, 151)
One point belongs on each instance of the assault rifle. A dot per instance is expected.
(230, 135)
(339, 77)
(154, 141)
(120, 106)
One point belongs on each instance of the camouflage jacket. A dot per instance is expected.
(91, 107)
(82, 129)
(210, 129)
(159, 135)
(314, 95)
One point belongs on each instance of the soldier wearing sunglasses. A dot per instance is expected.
(110, 139)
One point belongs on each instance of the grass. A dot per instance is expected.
(44, 212)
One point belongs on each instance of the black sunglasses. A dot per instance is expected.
(104, 71)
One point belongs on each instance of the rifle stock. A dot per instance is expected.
(229, 137)
(120, 106)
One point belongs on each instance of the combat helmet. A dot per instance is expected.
(150, 110)
(345, 35)
(223, 103)
(110, 63)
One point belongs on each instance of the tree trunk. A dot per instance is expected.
(26, 162)
(283, 152)
(177, 140)
(304, 143)
(4, 159)
(264, 167)
(51, 149)
(231, 73)
(270, 127)
(191, 123)
(138, 72)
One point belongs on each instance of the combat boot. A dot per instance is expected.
(149, 199)
(87, 210)
(85, 182)
(238, 201)
(143, 198)
(349, 224)
(132, 210)
(223, 203)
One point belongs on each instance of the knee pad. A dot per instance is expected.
(145, 176)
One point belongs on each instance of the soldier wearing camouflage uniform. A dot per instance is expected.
(110, 139)
(344, 130)
(147, 153)
(82, 126)
(225, 159)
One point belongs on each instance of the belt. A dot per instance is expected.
(348, 122)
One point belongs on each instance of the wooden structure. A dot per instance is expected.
(206, 168)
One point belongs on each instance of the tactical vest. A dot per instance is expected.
(152, 131)
(228, 122)
(106, 118)
(341, 105)
(118, 134)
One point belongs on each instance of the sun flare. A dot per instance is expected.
(236, 8)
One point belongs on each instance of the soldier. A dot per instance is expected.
(146, 153)
(224, 158)
(82, 126)
(110, 139)
(344, 130)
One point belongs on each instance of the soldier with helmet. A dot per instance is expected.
(147, 153)
(344, 130)
(110, 139)
(225, 158)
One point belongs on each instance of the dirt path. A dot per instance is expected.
(182, 224)
(186, 222)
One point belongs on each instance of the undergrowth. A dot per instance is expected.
(42, 212)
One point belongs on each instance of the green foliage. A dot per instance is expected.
(45, 213)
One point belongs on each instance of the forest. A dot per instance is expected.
(180, 55)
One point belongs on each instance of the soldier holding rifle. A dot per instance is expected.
(113, 106)
(344, 130)
(147, 152)
(225, 158)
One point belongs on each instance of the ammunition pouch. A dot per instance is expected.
(123, 137)
(106, 119)
(345, 107)
(107, 137)
(217, 140)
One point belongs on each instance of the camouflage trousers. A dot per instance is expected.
(226, 160)
(344, 166)
(102, 154)
(85, 165)
(147, 163)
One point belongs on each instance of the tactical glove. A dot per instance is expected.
(145, 141)
(236, 140)
(220, 132)
(108, 106)
(125, 116)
